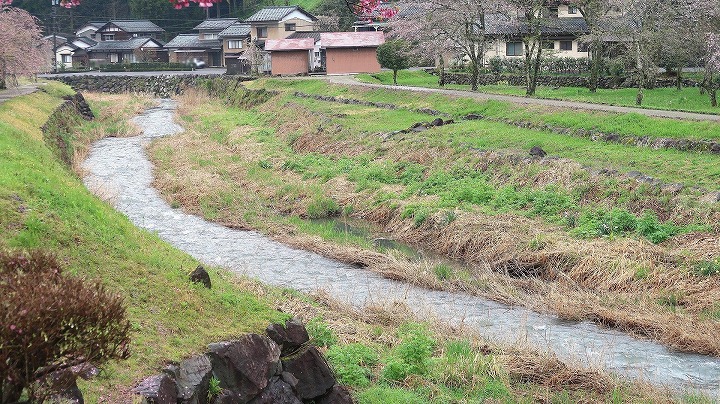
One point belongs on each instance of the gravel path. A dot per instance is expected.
(350, 80)
(17, 91)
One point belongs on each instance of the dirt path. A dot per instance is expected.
(10, 93)
(350, 80)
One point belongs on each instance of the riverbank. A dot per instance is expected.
(43, 204)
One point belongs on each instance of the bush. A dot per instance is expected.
(51, 322)
(320, 333)
(412, 355)
(321, 206)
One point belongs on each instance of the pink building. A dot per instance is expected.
(290, 56)
(351, 52)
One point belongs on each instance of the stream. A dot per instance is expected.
(118, 170)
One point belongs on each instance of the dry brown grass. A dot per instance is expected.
(508, 258)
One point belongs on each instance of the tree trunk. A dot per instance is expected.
(3, 75)
(475, 74)
(640, 74)
(713, 97)
(395, 77)
(678, 79)
(536, 68)
(442, 71)
(528, 68)
(594, 68)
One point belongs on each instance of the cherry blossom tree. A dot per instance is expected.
(23, 51)
(441, 27)
(178, 4)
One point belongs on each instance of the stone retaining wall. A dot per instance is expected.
(559, 81)
(158, 85)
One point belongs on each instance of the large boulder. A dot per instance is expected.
(537, 151)
(289, 337)
(158, 389)
(245, 366)
(314, 376)
(192, 377)
(62, 386)
(338, 395)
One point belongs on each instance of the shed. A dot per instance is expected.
(290, 56)
(351, 52)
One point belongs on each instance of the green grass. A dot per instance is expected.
(688, 99)
(43, 205)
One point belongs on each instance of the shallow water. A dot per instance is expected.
(119, 171)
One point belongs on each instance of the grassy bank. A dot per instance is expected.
(381, 352)
(541, 233)
(687, 99)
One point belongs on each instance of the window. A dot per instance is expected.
(551, 12)
(262, 32)
(113, 58)
(235, 44)
(548, 44)
(67, 58)
(108, 37)
(210, 36)
(514, 49)
(583, 47)
(572, 10)
(289, 27)
(566, 45)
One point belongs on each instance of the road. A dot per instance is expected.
(17, 91)
(350, 80)
(211, 71)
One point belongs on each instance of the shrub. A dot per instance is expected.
(650, 227)
(50, 322)
(442, 271)
(416, 348)
(321, 206)
(383, 394)
(351, 363)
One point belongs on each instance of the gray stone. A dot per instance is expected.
(289, 337)
(200, 275)
(61, 386)
(277, 392)
(192, 377)
(537, 151)
(314, 376)
(158, 389)
(672, 188)
(712, 197)
(338, 395)
(245, 366)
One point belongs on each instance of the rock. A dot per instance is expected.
(338, 395)
(228, 397)
(277, 392)
(245, 366)
(289, 337)
(289, 379)
(158, 389)
(437, 122)
(473, 117)
(192, 377)
(634, 174)
(672, 188)
(200, 275)
(86, 371)
(61, 386)
(314, 375)
(419, 129)
(712, 197)
(537, 151)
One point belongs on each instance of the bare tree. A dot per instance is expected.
(531, 17)
(597, 14)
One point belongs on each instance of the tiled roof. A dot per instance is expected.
(500, 25)
(270, 14)
(193, 41)
(237, 29)
(352, 39)
(133, 26)
(130, 44)
(216, 24)
(86, 40)
(299, 35)
(289, 44)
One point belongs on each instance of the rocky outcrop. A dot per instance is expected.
(200, 275)
(59, 128)
(280, 367)
(353, 101)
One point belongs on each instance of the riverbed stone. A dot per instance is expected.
(244, 366)
(158, 389)
(289, 337)
(314, 376)
(62, 387)
(200, 275)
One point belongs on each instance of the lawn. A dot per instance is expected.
(688, 99)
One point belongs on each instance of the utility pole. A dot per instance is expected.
(55, 4)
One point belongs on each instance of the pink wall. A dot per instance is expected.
(352, 60)
(290, 62)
